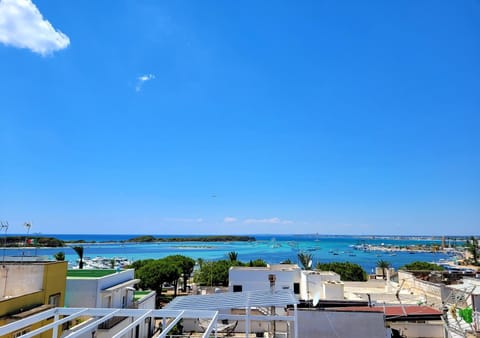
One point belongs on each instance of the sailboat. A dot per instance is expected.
(274, 244)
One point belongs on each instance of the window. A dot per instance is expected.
(54, 300)
(21, 333)
(296, 288)
(237, 288)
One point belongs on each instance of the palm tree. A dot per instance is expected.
(200, 262)
(232, 255)
(383, 265)
(305, 260)
(79, 251)
(472, 248)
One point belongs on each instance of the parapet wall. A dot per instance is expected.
(434, 292)
(20, 279)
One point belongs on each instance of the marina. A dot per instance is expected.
(100, 250)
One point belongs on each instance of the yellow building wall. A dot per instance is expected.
(54, 284)
(16, 304)
(55, 281)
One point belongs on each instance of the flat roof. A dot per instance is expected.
(272, 268)
(90, 273)
(407, 310)
(140, 294)
(233, 300)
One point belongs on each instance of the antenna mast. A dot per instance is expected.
(4, 226)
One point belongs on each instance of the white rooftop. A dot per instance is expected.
(272, 267)
(469, 285)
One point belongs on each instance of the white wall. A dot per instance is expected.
(434, 292)
(333, 290)
(116, 278)
(335, 324)
(256, 278)
(16, 280)
(147, 302)
(87, 292)
(81, 292)
(419, 330)
(312, 283)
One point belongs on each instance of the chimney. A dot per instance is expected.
(271, 278)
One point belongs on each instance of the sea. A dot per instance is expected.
(271, 248)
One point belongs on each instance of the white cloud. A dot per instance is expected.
(229, 220)
(142, 79)
(273, 220)
(22, 25)
(184, 220)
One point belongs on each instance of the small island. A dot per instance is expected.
(212, 238)
(33, 241)
(45, 242)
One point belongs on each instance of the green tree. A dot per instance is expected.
(422, 266)
(185, 264)
(141, 262)
(305, 260)
(79, 251)
(347, 271)
(59, 256)
(200, 262)
(257, 262)
(287, 261)
(155, 273)
(213, 273)
(382, 264)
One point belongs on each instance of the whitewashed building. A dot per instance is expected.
(305, 284)
(107, 289)
(100, 288)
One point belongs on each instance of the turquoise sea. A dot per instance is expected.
(271, 248)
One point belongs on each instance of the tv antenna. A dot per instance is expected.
(4, 227)
(27, 225)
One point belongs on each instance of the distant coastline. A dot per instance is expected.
(52, 242)
(272, 248)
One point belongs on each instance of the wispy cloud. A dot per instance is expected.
(184, 220)
(142, 79)
(273, 220)
(23, 26)
(229, 220)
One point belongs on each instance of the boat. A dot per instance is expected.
(274, 244)
(101, 262)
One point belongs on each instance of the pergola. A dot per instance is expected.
(241, 300)
(101, 315)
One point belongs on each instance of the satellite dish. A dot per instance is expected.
(316, 299)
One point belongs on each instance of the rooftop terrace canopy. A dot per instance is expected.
(234, 300)
(241, 300)
(100, 315)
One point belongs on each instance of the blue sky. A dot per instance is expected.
(221, 117)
